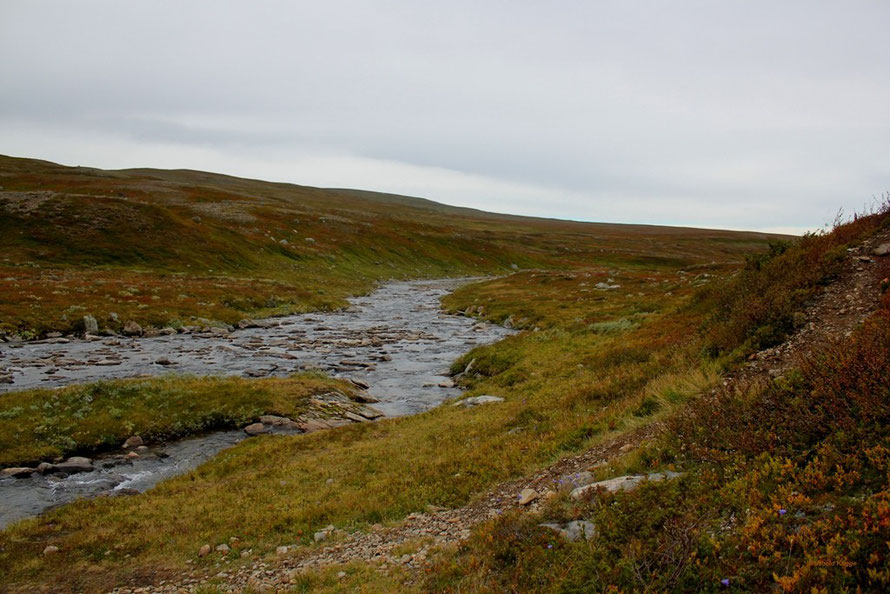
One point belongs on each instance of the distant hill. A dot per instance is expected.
(238, 247)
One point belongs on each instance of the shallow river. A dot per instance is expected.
(396, 340)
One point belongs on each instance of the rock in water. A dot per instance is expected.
(17, 472)
(90, 325)
(74, 465)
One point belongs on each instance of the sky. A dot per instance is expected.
(736, 114)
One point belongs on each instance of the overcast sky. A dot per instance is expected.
(733, 114)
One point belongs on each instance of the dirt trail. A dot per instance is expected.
(833, 314)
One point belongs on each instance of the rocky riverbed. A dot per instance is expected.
(396, 340)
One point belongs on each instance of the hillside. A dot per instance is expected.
(170, 247)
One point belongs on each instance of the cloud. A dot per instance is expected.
(731, 114)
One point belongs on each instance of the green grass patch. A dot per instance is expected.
(43, 424)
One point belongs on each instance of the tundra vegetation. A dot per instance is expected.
(621, 326)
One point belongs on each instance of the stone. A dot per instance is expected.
(6, 378)
(477, 400)
(575, 480)
(131, 328)
(573, 531)
(256, 429)
(354, 417)
(882, 250)
(90, 325)
(311, 425)
(167, 331)
(526, 496)
(204, 550)
(281, 550)
(47, 468)
(365, 398)
(163, 361)
(626, 448)
(360, 384)
(622, 483)
(131, 456)
(133, 442)
(277, 421)
(17, 472)
(223, 548)
(446, 383)
(369, 412)
(75, 464)
(50, 550)
(324, 533)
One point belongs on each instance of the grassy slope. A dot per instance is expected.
(167, 247)
(787, 484)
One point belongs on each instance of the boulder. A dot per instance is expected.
(365, 399)
(622, 483)
(446, 383)
(256, 429)
(47, 468)
(477, 400)
(882, 250)
(131, 328)
(90, 325)
(74, 465)
(573, 531)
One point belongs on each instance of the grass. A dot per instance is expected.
(38, 425)
(565, 386)
(786, 485)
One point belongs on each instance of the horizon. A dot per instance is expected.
(738, 116)
(345, 189)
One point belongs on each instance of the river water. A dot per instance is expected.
(396, 339)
